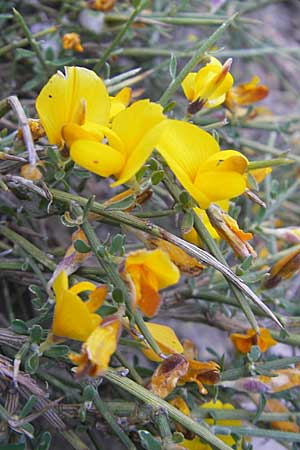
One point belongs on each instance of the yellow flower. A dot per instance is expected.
(246, 94)
(78, 97)
(72, 41)
(149, 271)
(206, 172)
(74, 318)
(36, 129)
(198, 444)
(207, 87)
(244, 342)
(98, 349)
(101, 5)
(275, 405)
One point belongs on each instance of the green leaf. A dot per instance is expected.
(27, 408)
(118, 295)
(23, 53)
(36, 333)
(147, 440)
(19, 326)
(32, 363)
(57, 351)
(254, 353)
(260, 408)
(187, 222)
(173, 66)
(81, 247)
(117, 244)
(89, 393)
(122, 204)
(157, 177)
(45, 441)
(13, 447)
(169, 107)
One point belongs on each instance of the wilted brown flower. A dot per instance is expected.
(284, 269)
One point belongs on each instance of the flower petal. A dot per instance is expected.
(96, 157)
(220, 186)
(72, 318)
(165, 338)
(60, 99)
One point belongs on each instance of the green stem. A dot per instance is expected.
(25, 41)
(258, 432)
(151, 399)
(263, 148)
(260, 164)
(195, 60)
(115, 279)
(35, 252)
(136, 377)
(236, 414)
(120, 35)
(109, 418)
(31, 40)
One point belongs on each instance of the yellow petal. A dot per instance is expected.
(158, 262)
(165, 338)
(72, 318)
(133, 123)
(96, 298)
(82, 286)
(220, 186)
(102, 343)
(188, 86)
(184, 147)
(120, 101)
(96, 157)
(138, 128)
(138, 156)
(63, 96)
(61, 283)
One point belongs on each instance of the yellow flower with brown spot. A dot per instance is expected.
(71, 41)
(148, 272)
(198, 444)
(244, 342)
(207, 87)
(209, 174)
(98, 348)
(73, 317)
(246, 94)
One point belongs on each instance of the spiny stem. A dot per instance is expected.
(149, 398)
(120, 35)
(34, 45)
(109, 418)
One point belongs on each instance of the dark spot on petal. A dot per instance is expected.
(95, 161)
(50, 96)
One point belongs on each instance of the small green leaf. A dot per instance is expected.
(148, 441)
(13, 447)
(89, 393)
(19, 326)
(260, 408)
(173, 66)
(57, 351)
(187, 222)
(117, 244)
(45, 441)
(81, 246)
(32, 363)
(184, 197)
(36, 333)
(122, 204)
(157, 177)
(169, 107)
(254, 353)
(27, 408)
(118, 295)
